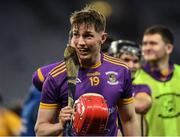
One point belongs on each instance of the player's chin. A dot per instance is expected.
(149, 58)
(84, 57)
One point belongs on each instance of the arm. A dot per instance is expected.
(142, 102)
(129, 121)
(44, 124)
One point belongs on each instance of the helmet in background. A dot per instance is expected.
(120, 47)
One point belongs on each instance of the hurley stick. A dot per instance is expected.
(72, 67)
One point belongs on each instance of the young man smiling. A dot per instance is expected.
(98, 74)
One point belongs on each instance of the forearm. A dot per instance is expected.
(131, 128)
(129, 120)
(46, 129)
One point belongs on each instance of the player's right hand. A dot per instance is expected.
(65, 115)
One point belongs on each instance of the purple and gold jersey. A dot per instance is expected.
(109, 78)
(40, 75)
(141, 88)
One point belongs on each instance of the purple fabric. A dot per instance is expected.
(44, 70)
(141, 88)
(114, 84)
(156, 74)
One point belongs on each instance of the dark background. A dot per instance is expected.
(34, 33)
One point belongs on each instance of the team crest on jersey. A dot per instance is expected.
(78, 80)
(112, 77)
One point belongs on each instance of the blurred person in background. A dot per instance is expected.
(16, 107)
(30, 111)
(163, 77)
(10, 123)
(129, 53)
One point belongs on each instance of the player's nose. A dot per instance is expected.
(81, 41)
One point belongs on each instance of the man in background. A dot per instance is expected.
(163, 77)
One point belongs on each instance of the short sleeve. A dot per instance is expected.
(141, 88)
(126, 97)
(49, 94)
(38, 79)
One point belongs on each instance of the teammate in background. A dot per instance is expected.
(10, 123)
(30, 111)
(98, 73)
(163, 78)
(129, 53)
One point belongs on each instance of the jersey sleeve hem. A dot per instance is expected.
(127, 101)
(48, 106)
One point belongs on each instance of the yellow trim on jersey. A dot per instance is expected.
(59, 72)
(48, 106)
(55, 68)
(113, 58)
(127, 101)
(40, 75)
(116, 63)
(94, 66)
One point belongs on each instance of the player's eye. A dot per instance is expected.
(76, 34)
(136, 61)
(88, 36)
(126, 60)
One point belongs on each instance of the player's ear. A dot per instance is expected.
(169, 48)
(103, 37)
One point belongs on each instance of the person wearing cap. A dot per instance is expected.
(129, 53)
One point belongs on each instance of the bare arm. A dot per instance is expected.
(129, 121)
(142, 102)
(45, 126)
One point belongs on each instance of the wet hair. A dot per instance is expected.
(89, 16)
(162, 30)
